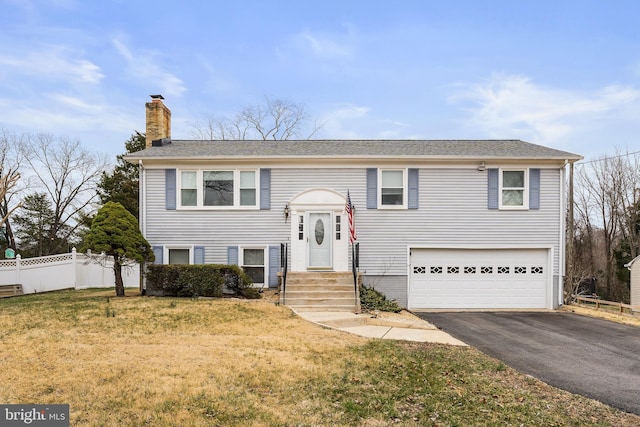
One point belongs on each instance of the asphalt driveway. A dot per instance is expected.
(591, 357)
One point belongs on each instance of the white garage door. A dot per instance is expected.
(479, 278)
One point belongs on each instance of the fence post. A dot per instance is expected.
(18, 258)
(74, 263)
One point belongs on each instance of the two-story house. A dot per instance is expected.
(441, 224)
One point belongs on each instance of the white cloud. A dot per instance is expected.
(62, 114)
(323, 45)
(326, 46)
(52, 63)
(339, 123)
(509, 106)
(146, 66)
(349, 121)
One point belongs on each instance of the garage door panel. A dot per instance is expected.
(483, 278)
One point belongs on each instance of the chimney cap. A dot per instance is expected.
(158, 97)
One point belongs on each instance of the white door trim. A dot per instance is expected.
(319, 237)
(318, 200)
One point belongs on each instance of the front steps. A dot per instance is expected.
(320, 291)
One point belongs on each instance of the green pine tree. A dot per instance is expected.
(34, 227)
(121, 184)
(115, 232)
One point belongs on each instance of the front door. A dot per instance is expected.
(319, 237)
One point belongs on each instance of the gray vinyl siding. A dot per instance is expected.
(394, 288)
(213, 229)
(452, 212)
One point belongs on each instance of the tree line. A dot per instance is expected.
(606, 217)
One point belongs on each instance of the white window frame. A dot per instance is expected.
(265, 252)
(180, 187)
(200, 189)
(525, 189)
(405, 186)
(165, 255)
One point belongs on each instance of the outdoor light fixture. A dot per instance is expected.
(286, 212)
(482, 167)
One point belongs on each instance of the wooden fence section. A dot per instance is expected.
(630, 309)
(10, 290)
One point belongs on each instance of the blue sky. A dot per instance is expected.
(565, 74)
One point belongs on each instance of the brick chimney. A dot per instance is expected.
(158, 120)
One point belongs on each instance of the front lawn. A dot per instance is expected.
(139, 361)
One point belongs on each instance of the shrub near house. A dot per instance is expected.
(199, 281)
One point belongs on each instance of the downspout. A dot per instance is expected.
(141, 200)
(142, 214)
(569, 270)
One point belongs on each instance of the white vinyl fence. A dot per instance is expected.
(65, 271)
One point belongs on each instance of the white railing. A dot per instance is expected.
(65, 271)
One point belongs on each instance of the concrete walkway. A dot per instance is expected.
(406, 328)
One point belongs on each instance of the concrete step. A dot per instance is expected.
(320, 291)
(307, 308)
(320, 282)
(314, 287)
(304, 300)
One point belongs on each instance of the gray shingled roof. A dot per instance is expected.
(357, 149)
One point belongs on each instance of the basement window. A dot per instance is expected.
(179, 256)
(253, 263)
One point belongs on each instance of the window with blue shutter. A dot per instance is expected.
(232, 255)
(534, 188)
(508, 188)
(494, 184)
(198, 254)
(265, 189)
(413, 179)
(158, 252)
(274, 265)
(372, 188)
(170, 189)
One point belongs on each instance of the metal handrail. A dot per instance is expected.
(355, 263)
(284, 249)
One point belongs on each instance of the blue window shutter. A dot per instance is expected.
(534, 188)
(158, 251)
(494, 183)
(232, 255)
(170, 189)
(265, 188)
(274, 265)
(198, 254)
(413, 189)
(372, 188)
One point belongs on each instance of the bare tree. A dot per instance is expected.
(10, 161)
(629, 221)
(605, 203)
(69, 175)
(277, 119)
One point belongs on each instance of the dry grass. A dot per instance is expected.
(177, 362)
(607, 313)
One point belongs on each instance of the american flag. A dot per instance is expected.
(352, 225)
